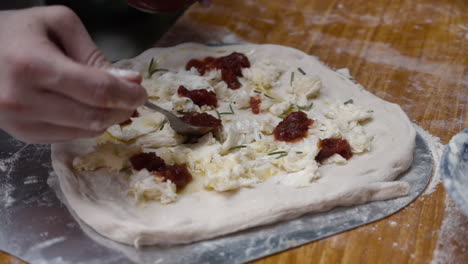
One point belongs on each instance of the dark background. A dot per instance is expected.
(119, 30)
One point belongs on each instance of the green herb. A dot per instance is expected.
(350, 101)
(301, 71)
(152, 68)
(257, 91)
(181, 112)
(228, 113)
(306, 108)
(237, 147)
(127, 171)
(288, 111)
(219, 115)
(292, 79)
(266, 95)
(282, 155)
(299, 152)
(277, 152)
(162, 124)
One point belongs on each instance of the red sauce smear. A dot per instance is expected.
(178, 174)
(330, 146)
(230, 66)
(199, 97)
(255, 102)
(148, 161)
(293, 127)
(129, 121)
(201, 120)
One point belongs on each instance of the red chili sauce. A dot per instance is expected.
(129, 121)
(199, 97)
(330, 146)
(230, 66)
(178, 174)
(293, 127)
(201, 120)
(255, 102)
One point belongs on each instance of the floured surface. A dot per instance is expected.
(109, 211)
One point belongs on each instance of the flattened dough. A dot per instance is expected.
(101, 199)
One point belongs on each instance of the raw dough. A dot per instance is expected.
(101, 198)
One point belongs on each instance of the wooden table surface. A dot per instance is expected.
(413, 53)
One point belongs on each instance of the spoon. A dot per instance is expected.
(177, 124)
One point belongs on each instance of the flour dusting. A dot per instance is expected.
(436, 147)
(452, 242)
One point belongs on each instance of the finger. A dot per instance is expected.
(205, 3)
(68, 30)
(93, 86)
(63, 111)
(44, 133)
(129, 75)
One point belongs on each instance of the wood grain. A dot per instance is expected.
(413, 53)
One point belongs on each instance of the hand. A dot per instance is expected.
(53, 82)
(205, 3)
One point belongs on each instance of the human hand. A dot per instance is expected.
(53, 82)
(205, 3)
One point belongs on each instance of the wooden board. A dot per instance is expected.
(413, 53)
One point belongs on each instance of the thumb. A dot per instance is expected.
(128, 75)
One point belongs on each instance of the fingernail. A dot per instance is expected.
(121, 73)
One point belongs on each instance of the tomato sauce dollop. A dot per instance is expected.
(330, 146)
(177, 173)
(255, 102)
(199, 97)
(201, 120)
(293, 127)
(148, 161)
(230, 66)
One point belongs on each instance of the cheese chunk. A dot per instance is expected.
(111, 156)
(147, 187)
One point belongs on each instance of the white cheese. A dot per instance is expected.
(139, 126)
(304, 87)
(111, 156)
(147, 187)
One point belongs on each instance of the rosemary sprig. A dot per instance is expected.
(181, 112)
(350, 101)
(292, 79)
(299, 152)
(301, 71)
(219, 114)
(277, 152)
(266, 95)
(237, 147)
(152, 68)
(228, 113)
(282, 155)
(163, 124)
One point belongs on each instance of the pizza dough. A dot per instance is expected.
(101, 198)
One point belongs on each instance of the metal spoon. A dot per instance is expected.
(177, 124)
